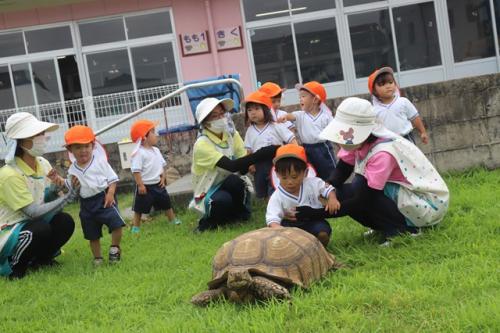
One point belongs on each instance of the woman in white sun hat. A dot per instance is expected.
(221, 195)
(32, 227)
(395, 188)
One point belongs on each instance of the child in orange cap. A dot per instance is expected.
(147, 166)
(295, 189)
(263, 132)
(98, 185)
(397, 113)
(274, 91)
(309, 122)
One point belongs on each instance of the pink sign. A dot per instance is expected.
(194, 43)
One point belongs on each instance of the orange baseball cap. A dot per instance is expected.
(315, 88)
(290, 150)
(373, 76)
(140, 128)
(271, 89)
(258, 97)
(79, 134)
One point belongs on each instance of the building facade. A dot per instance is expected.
(90, 62)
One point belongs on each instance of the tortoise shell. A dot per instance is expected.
(289, 255)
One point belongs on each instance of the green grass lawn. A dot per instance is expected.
(446, 280)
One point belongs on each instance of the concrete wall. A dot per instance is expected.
(462, 117)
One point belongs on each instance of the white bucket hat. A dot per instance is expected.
(208, 104)
(354, 121)
(22, 125)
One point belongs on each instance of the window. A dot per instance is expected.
(48, 39)
(154, 65)
(471, 29)
(22, 84)
(318, 49)
(6, 95)
(274, 55)
(305, 6)
(357, 2)
(109, 72)
(264, 9)
(102, 32)
(11, 44)
(148, 25)
(371, 41)
(416, 36)
(45, 79)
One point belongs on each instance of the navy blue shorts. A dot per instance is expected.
(156, 197)
(312, 227)
(93, 216)
(322, 158)
(262, 178)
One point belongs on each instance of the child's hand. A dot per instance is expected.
(333, 205)
(424, 137)
(142, 189)
(281, 119)
(55, 178)
(251, 168)
(274, 225)
(163, 181)
(109, 199)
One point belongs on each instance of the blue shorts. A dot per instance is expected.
(322, 158)
(93, 216)
(262, 178)
(156, 197)
(312, 227)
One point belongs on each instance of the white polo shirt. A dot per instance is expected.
(397, 115)
(281, 201)
(271, 134)
(95, 177)
(280, 113)
(150, 163)
(309, 126)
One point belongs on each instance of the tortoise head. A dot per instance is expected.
(239, 284)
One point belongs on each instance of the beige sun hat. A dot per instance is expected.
(354, 121)
(22, 125)
(208, 104)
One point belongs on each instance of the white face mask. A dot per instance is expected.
(218, 126)
(39, 146)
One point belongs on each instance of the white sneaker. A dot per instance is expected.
(369, 233)
(387, 243)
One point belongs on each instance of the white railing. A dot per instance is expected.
(100, 111)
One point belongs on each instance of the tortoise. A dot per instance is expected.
(266, 263)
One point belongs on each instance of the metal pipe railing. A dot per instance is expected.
(164, 98)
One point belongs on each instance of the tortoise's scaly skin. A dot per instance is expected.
(274, 258)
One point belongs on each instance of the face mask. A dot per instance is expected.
(218, 126)
(39, 146)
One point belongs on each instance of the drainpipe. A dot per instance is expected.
(213, 45)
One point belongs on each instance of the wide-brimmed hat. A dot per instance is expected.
(290, 150)
(208, 104)
(22, 125)
(79, 134)
(258, 97)
(353, 123)
(271, 89)
(315, 88)
(373, 76)
(140, 129)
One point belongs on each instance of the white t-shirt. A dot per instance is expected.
(280, 113)
(309, 127)
(95, 177)
(281, 201)
(150, 163)
(397, 115)
(271, 134)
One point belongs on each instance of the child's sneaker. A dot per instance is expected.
(176, 221)
(98, 261)
(135, 229)
(369, 233)
(114, 254)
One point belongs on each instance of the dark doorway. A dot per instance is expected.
(72, 90)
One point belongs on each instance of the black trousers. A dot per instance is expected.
(40, 241)
(227, 204)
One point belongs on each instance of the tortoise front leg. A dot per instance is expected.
(206, 297)
(265, 289)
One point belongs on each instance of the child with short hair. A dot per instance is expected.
(147, 166)
(396, 113)
(98, 181)
(309, 122)
(295, 189)
(262, 132)
(275, 92)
